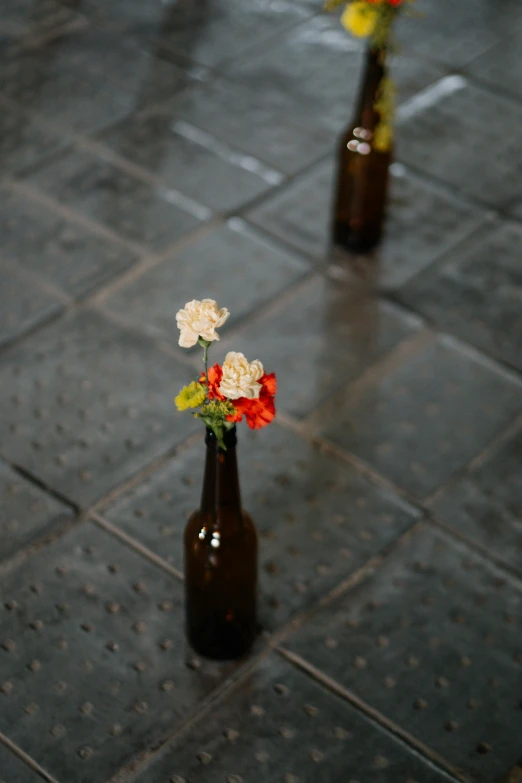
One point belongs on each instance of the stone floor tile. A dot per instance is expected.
(22, 305)
(24, 141)
(476, 292)
(313, 73)
(486, 503)
(39, 80)
(93, 656)
(223, 30)
(26, 514)
(90, 78)
(85, 404)
(442, 140)
(103, 192)
(62, 253)
(36, 19)
(318, 520)
(130, 67)
(433, 642)
(237, 117)
(202, 168)
(322, 336)
(427, 418)
(456, 33)
(515, 209)
(279, 725)
(423, 221)
(230, 264)
(500, 66)
(13, 769)
(300, 213)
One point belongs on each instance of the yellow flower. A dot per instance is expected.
(191, 396)
(359, 18)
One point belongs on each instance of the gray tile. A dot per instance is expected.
(322, 337)
(40, 80)
(14, 770)
(426, 419)
(63, 253)
(287, 486)
(202, 168)
(86, 404)
(238, 117)
(279, 725)
(131, 207)
(213, 33)
(128, 66)
(515, 209)
(500, 66)
(230, 264)
(300, 213)
(23, 140)
(313, 74)
(431, 641)
(476, 292)
(457, 33)
(433, 141)
(116, 73)
(22, 305)
(27, 513)
(35, 19)
(422, 221)
(486, 503)
(95, 667)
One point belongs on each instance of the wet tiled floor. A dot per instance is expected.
(155, 152)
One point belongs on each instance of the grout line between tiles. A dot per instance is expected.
(137, 764)
(376, 716)
(134, 544)
(30, 762)
(489, 449)
(98, 229)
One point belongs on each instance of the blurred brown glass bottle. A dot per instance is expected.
(362, 175)
(220, 546)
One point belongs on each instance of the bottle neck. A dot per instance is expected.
(375, 71)
(221, 480)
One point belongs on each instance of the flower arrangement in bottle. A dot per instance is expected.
(223, 394)
(220, 539)
(366, 147)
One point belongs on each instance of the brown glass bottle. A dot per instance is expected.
(362, 176)
(220, 546)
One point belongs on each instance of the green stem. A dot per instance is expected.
(205, 362)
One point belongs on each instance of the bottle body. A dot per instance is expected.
(220, 552)
(363, 167)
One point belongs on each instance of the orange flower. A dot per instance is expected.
(215, 375)
(261, 411)
(257, 412)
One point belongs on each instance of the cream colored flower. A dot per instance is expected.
(240, 377)
(200, 319)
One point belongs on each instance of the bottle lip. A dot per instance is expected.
(229, 437)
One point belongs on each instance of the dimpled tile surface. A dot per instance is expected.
(432, 641)
(419, 445)
(93, 658)
(76, 411)
(27, 513)
(280, 725)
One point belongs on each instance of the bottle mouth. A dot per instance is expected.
(229, 438)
